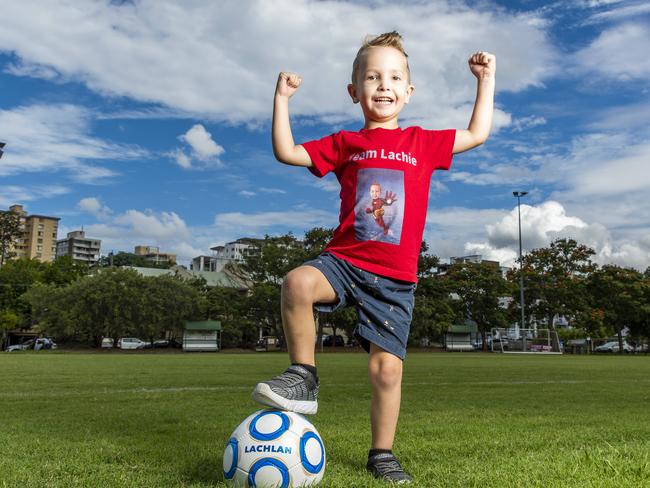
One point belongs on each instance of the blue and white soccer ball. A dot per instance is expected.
(274, 448)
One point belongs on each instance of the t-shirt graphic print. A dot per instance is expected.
(379, 208)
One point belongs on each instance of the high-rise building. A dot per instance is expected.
(79, 247)
(153, 254)
(39, 235)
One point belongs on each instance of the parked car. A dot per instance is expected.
(36, 344)
(107, 343)
(331, 340)
(499, 344)
(612, 346)
(21, 347)
(642, 348)
(131, 343)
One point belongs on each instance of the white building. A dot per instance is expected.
(79, 247)
(235, 251)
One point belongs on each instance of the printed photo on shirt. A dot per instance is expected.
(379, 209)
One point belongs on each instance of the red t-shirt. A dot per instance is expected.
(384, 176)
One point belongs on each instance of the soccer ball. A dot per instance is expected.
(274, 448)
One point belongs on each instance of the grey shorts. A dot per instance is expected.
(384, 305)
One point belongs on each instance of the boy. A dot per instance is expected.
(374, 270)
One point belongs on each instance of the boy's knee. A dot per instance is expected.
(385, 372)
(297, 287)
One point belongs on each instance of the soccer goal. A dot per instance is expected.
(525, 341)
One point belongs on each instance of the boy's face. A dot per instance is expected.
(375, 191)
(382, 86)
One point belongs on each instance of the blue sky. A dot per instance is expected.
(148, 122)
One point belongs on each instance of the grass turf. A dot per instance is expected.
(468, 420)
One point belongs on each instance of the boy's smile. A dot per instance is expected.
(382, 87)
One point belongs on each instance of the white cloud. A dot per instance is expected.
(202, 144)
(181, 159)
(258, 223)
(617, 174)
(619, 52)
(616, 14)
(122, 232)
(15, 194)
(246, 193)
(152, 225)
(540, 225)
(95, 207)
(528, 122)
(202, 147)
(537, 222)
(57, 138)
(32, 70)
(205, 58)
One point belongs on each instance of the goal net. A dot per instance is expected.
(533, 341)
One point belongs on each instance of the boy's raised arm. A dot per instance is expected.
(284, 149)
(483, 66)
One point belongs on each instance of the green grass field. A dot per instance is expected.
(468, 420)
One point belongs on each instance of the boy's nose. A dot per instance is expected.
(384, 84)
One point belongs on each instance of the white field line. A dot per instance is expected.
(184, 389)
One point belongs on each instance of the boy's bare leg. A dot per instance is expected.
(297, 388)
(301, 288)
(385, 372)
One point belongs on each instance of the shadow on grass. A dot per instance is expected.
(205, 470)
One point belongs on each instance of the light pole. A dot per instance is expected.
(520, 194)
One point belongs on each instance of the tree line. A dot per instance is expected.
(70, 302)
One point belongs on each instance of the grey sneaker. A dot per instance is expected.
(295, 390)
(386, 466)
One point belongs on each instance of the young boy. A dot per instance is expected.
(371, 261)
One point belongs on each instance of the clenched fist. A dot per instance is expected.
(288, 83)
(482, 64)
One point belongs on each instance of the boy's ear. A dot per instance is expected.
(353, 93)
(409, 91)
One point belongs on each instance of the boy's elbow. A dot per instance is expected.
(281, 155)
(478, 138)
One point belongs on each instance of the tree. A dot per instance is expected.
(315, 241)
(123, 258)
(621, 296)
(16, 277)
(268, 267)
(275, 258)
(8, 320)
(64, 270)
(10, 230)
(166, 303)
(52, 308)
(108, 304)
(479, 287)
(554, 280)
(231, 307)
(433, 312)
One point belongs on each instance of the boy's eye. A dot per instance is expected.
(372, 77)
(397, 78)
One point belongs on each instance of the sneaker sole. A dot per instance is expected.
(264, 395)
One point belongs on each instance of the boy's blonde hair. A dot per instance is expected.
(387, 39)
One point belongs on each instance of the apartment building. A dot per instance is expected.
(153, 254)
(39, 235)
(79, 247)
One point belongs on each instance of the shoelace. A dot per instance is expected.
(389, 466)
(288, 378)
